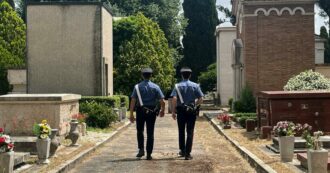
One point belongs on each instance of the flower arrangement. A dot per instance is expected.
(224, 118)
(312, 141)
(5, 143)
(42, 130)
(285, 128)
(80, 117)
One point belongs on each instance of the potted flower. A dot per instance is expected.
(317, 157)
(225, 119)
(81, 118)
(42, 131)
(285, 131)
(6, 153)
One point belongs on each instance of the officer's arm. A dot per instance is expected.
(174, 100)
(162, 107)
(132, 106)
(199, 101)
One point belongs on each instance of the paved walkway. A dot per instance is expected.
(211, 152)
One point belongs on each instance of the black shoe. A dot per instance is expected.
(181, 154)
(188, 157)
(149, 157)
(140, 154)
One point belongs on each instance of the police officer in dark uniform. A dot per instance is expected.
(147, 95)
(187, 96)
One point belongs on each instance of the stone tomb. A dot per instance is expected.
(299, 144)
(19, 112)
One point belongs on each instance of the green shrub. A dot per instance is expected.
(124, 100)
(208, 79)
(113, 101)
(247, 102)
(98, 114)
(308, 80)
(245, 114)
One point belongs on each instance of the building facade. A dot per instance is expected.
(69, 48)
(277, 38)
(225, 34)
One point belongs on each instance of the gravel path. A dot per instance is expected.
(211, 152)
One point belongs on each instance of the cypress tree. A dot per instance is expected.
(324, 34)
(199, 41)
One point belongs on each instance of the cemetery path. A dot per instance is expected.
(211, 152)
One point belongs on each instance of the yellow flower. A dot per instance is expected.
(43, 136)
(44, 122)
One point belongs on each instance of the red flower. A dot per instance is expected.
(1, 130)
(2, 140)
(10, 146)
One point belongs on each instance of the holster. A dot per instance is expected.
(149, 110)
(188, 109)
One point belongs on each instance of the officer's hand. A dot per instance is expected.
(162, 113)
(132, 119)
(174, 116)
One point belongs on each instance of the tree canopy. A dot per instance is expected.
(12, 42)
(324, 34)
(199, 40)
(164, 12)
(139, 42)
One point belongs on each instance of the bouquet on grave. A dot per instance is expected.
(224, 118)
(42, 130)
(5, 143)
(286, 128)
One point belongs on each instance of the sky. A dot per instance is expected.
(319, 21)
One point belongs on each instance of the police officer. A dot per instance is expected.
(147, 94)
(187, 96)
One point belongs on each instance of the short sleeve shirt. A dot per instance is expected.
(189, 90)
(150, 93)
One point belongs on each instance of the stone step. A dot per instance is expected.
(20, 157)
(302, 157)
(25, 144)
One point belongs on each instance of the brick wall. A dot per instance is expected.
(277, 47)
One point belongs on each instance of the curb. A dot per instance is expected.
(70, 164)
(254, 161)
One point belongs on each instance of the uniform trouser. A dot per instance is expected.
(186, 122)
(148, 119)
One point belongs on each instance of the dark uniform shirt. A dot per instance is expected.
(150, 93)
(190, 91)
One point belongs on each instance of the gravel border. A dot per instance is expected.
(254, 161)
(70, 164)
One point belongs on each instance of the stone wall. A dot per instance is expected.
(19, 112)
(64, 48)
(107, 48)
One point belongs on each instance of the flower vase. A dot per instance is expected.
(54, 142)
(286, 148)
(74, 133)
(43, 148)
(7, 162)
(227, 126)
(317, 161)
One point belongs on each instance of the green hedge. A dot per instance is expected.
(98, 114)
(124, 100)
(240, 114)
(113, 101)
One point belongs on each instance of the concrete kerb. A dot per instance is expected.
(70, 164)
(254, 161)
